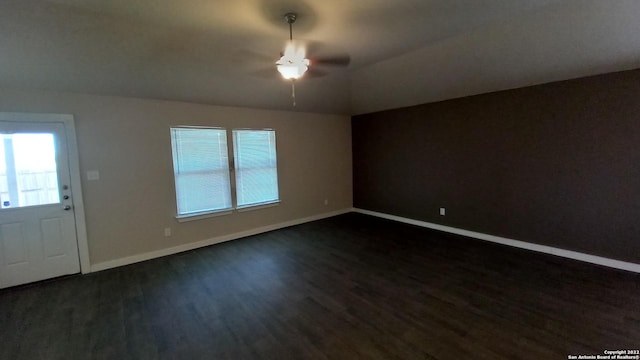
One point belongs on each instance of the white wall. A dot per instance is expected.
(127, 140)
(565, 40)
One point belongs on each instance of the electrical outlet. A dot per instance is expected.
(167, 232)
(326, 202)
(442, 211)
(93, 175)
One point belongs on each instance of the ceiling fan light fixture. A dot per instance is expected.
(292, 65)
(292, 70)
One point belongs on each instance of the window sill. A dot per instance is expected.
(199, 216)
(258, 206)
(206, 215)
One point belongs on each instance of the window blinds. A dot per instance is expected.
(256, 167)
(201, 169)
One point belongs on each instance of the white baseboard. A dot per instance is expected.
(216, 240)
(617, 264)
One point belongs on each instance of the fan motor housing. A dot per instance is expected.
(291, 17)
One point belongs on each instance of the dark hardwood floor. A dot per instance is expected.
(348, 287)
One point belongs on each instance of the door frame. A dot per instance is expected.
(74, 173)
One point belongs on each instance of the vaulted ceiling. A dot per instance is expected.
(222, 52)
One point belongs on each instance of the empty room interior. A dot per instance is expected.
(288, 179)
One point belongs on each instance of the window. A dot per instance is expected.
(201, 169)
(256, 167)
(28, 172)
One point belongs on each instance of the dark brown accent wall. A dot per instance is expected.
(556, 164)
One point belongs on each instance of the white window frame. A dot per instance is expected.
(258, 205)
(209, 212)
(231, 151)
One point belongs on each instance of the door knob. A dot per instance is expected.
(66, 207)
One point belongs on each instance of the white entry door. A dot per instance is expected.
(37, 223)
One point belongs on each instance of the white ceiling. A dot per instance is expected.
(222, 51)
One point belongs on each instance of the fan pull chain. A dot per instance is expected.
(293, 92)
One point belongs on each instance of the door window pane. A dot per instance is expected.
(28, 175)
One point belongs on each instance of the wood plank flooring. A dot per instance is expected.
(348, 287)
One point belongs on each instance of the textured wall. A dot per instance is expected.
(555, 164)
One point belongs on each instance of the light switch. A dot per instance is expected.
(93, 175)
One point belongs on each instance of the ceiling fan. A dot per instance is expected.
(293, 63)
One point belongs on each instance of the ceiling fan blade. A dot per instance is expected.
(266, 73)
(243, 55)
(315, 73)
(321, 54)
(341, 60)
